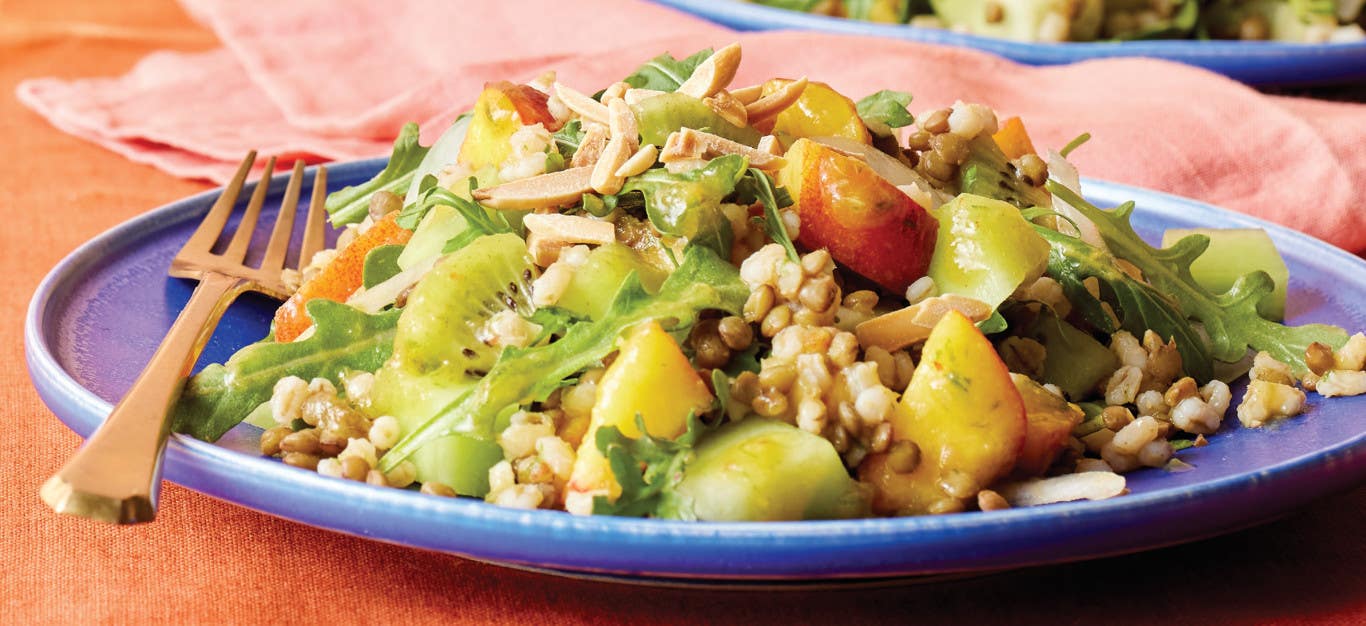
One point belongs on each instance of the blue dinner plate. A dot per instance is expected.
(1255, 63)
(96, 318)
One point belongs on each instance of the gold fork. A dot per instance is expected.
(116, 476)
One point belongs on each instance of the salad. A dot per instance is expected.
(1299, 21)
(680, 298)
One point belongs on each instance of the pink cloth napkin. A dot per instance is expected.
(335, 79)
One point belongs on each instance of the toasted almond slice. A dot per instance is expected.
(911, 325)
(548, 233)
(614, 92)
(604, 179)
(769, 144)
(714, 74)
(728, 108)
(587, 108)
(774, 103)
(1065, 488)
(621, 122)
(636, 96)
(639, 162)
(556, 189)
(687, 143)
(591, 146)
(747, 95)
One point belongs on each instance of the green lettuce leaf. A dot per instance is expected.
(885, 110)
(756, 186)
(665, 73)
(1230, 319)
(648, 469)
(344, 338)
(688, 204)
(703, 281)
(349, 204)
(568, 139)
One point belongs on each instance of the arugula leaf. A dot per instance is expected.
(688, 204)
(704, 281)
(761, 187)
(220, 396)
(1139, 306)
(349, 204)
(381, 264)
(648, 469)
(568, 139)
(1230, 319)
(885, 110)
(665, 73)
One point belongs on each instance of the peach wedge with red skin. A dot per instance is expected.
(964, 414)
(501, 109)
(867, 224)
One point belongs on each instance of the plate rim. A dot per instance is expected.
(1259, 63)
(198, 464)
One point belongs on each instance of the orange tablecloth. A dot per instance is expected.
(207, 561)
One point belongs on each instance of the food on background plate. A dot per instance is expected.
(1298, 21)
(680, 298)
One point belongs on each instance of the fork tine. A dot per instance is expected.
(237, 249)
(274, 260)
(313, 228)
(207, 233)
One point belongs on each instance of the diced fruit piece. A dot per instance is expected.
(985, 249)
(988, 173)
(440, 224)
(649, 361)
(1177, 21)
(1074, 361)
(819, 112)
(962, 412)
(1024, 20)
(339, 279)
(596, 282)
(884, 11)
(868, 225)
(761, 470)
(457, 461)
(502, 108)
(1013, 140)
(440, 328)
(1050, 422)
(1232, 253)
(663, 114)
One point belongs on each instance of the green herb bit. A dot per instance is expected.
(648, 470)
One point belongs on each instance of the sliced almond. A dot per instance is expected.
(621, 122)
(776, 102)
(639, 162)
(769, 144)
(548, 233)
(687, 143)
(730, 109)
(636, 96)
(714, 74)
(591, 146)
(604, 179)
(587, 108)
(911, 325)
(1065, 488)
(556, 189)
(614, 92)
(747, 95)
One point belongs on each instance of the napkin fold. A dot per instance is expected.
(335, 79)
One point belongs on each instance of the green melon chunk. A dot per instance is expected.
(439, 225)
(593, 286)
(985, 249)
(764, 470)
(1074, 360)
(1232, 253)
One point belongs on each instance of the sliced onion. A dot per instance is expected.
(374, 299)
(1060, 170)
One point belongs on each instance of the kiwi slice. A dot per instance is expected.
(988, 172)
(440, 327)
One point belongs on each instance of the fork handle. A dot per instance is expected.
(116, 476)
